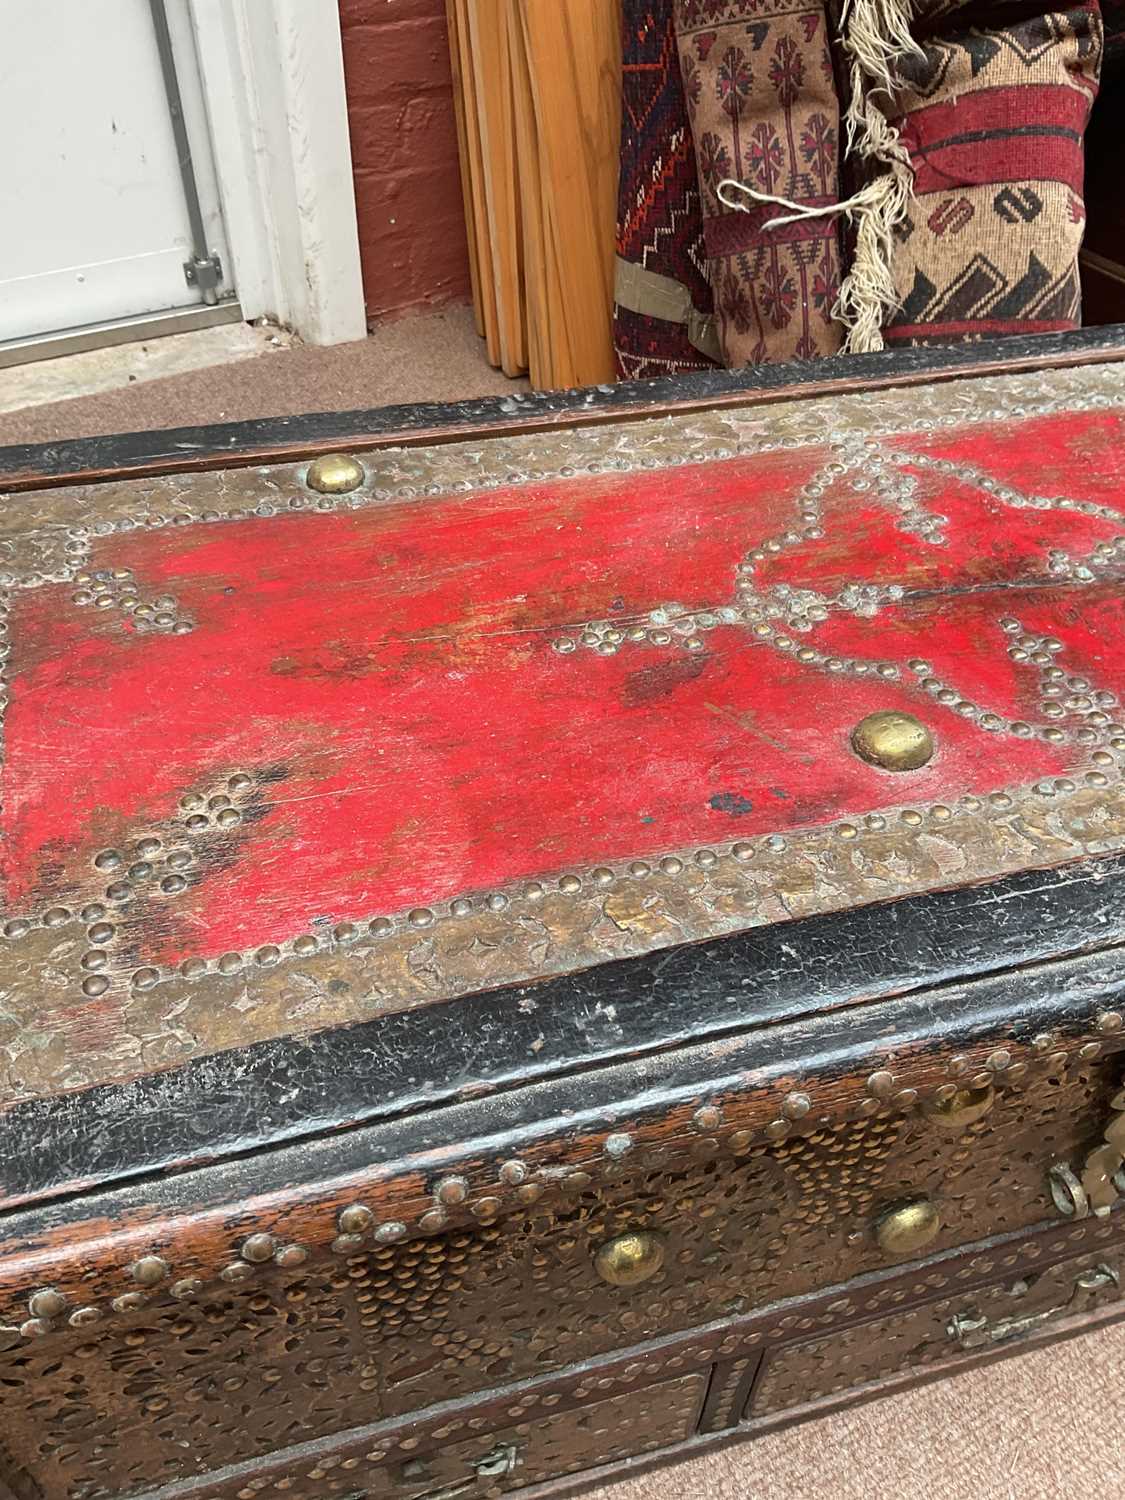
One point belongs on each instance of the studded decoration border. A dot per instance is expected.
(187, 1259)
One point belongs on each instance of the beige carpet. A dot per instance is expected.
(1041, 1426)
(1044, 1426)
(436, 358)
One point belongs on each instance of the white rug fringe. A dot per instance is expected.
(876, 37)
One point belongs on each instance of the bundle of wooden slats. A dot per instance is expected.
(537, 89)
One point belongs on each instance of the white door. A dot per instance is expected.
(97, 223)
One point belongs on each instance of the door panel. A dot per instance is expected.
(97, 223)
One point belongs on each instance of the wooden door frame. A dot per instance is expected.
(273, 82)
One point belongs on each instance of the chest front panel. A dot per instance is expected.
(500, 1277)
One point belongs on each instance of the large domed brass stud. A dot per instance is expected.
(630, 1259)
(47, 1303)
(335, 474)
(150, 1270)
(908, 1228)
(893, 741)
(960, 1110)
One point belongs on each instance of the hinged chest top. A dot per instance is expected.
(278, 760)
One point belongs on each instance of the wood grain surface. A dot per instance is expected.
(539, 130)
(466, 147)
(492, 78)
(574, 61)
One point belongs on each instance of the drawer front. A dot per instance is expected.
(153, 1366)
(489, 1462)
(939, 1332)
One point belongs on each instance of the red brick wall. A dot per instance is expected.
(404, 153)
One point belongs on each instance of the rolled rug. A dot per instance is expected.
(991, 109)
(662, 316)
(763, 103)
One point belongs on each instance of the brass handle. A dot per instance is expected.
(630, 1259)
(972, 1331)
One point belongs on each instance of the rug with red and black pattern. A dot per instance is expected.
(994, 118)
(763, 102)
(659, 225)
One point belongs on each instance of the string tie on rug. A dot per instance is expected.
(866, 198)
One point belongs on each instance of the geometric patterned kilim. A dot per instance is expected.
(994, 119)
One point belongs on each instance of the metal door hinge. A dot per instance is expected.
(973, 1331)
(204, 274)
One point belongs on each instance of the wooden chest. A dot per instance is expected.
(593, 927)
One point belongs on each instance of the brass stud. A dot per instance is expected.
(258, 1248)
(881, 1084)
(451, 1191)
(1109, 1020)
(390, 1234)
(959, 1110)
(83, 1317)
(335, 474)
(357, 1218)
(291, 1255)
(129, 1302)
(893, 741)
(150, 1270)
(630, 1259)
(185, 1290)
(47, 1303)
(707, 1117)
(908, 1228)
(796, 1106)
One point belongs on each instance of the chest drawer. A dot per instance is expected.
(482, 1463)
(939, 1333)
